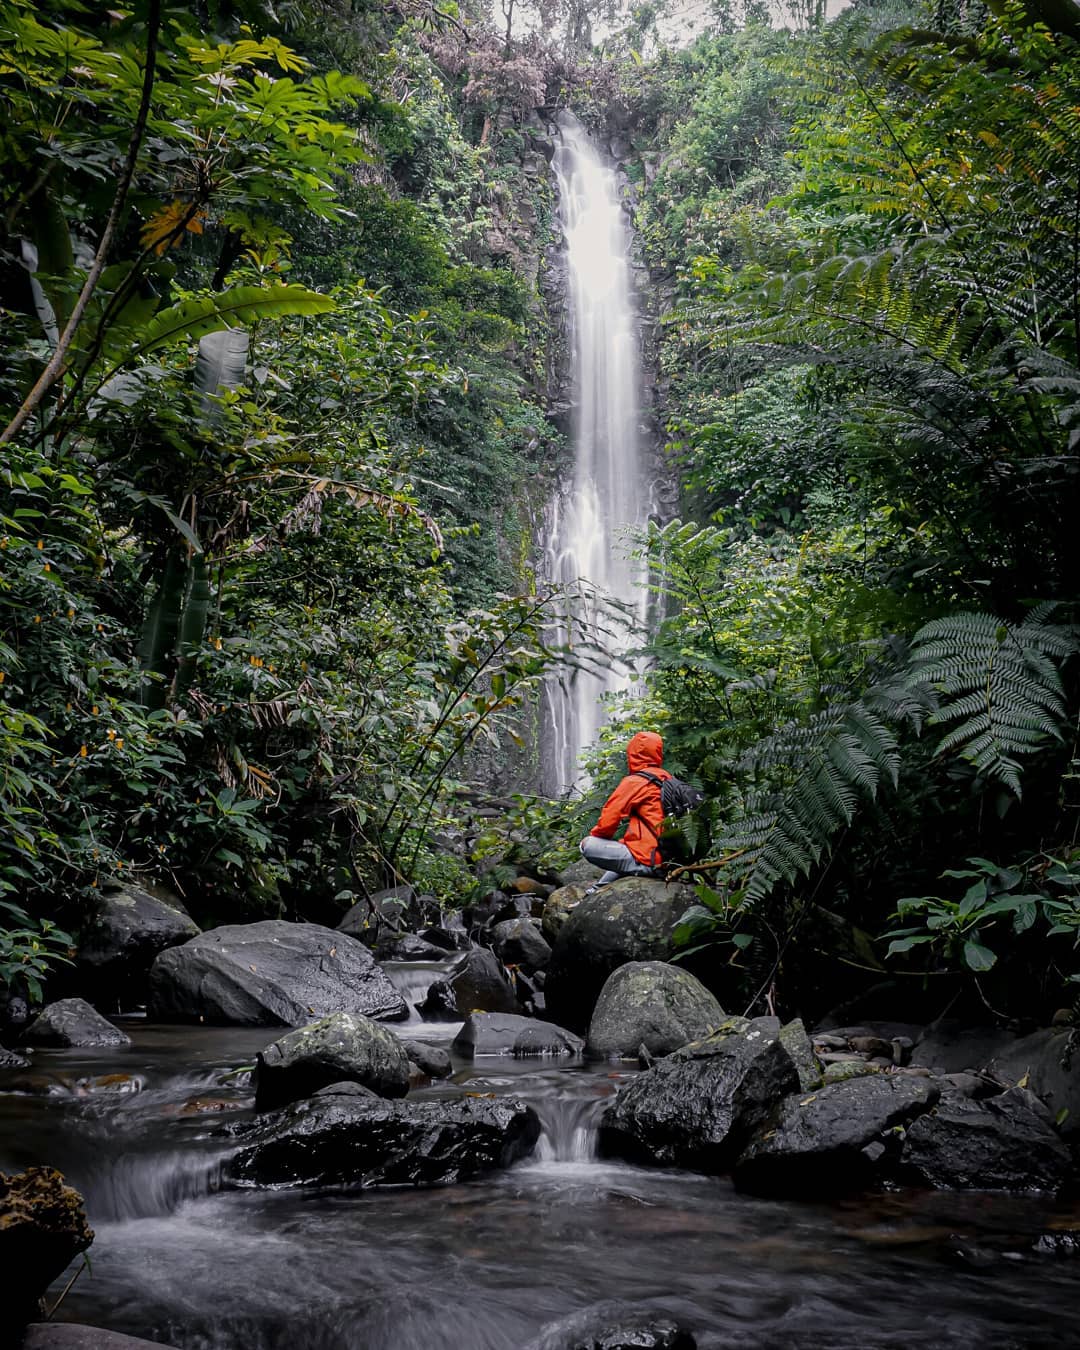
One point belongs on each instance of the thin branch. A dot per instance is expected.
(55, 367)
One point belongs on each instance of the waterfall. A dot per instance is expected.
(589, 520)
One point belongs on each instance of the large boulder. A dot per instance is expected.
(630, 920)
(833, 1139)
(558, 907)
(130, 927)
(42, 1229)
(270, 974)
(338, 1049)
(479, 984)
(614, 1325)
(654, 1004)
(698, 1107)
(518, 942)
(351, 1137)
(1005, 1143)
(508, 1034)
(71, 1022)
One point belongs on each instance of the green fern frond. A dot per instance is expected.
(827, 767)
(1000, 681)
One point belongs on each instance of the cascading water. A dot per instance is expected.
(587, 546)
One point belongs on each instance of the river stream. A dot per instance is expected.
(485, 1265)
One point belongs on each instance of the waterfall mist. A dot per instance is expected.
(590, 518)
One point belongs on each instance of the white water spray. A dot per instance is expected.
(589, 524)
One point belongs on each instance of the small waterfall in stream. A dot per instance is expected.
(587, 545)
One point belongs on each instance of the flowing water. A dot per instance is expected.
(484, 1266)
(587, 533)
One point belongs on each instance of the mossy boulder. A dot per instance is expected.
(654, 1004)
(633, 919)
(337, 1049)
(42, 1229)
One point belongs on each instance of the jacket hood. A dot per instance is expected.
(645, 751)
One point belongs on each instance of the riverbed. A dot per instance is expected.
(486, 1265)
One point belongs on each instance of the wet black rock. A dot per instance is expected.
(615, 1326)
(654, 1004)
(270, 974)
(1004, 1143)
(341, 1048)
(131, 926)
(481, 984)
(72, 1022)
(439, 1003)
(10, 1060)
(450, 938)
(349, 1139)
(630, 920)
(432, 1060)
(77, 1336)
(407, 947)
(509, 1034)
(398, 909)
(698, 1106)
(827, 1141)
(519, 942)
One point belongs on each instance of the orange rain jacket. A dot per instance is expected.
(638, 800)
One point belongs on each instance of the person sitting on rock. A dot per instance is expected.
(637, 801)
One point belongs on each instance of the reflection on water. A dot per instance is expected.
(484, 1266)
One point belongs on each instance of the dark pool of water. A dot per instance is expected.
(485, 1266)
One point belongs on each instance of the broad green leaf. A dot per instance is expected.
(196, 317)
(977, 957)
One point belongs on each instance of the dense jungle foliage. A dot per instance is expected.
(277, 364)
(272, 356)
(869, 241)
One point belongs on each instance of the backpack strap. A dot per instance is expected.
(657, 783)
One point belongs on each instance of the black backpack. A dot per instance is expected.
(677, 799)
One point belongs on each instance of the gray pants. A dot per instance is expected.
(615, 856)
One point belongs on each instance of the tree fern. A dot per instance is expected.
(828, 766)
(999, 683)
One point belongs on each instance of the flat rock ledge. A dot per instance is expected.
(346, 1136)
(510, 1034)
(835, 1139)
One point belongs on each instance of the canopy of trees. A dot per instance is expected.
(276, 363)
